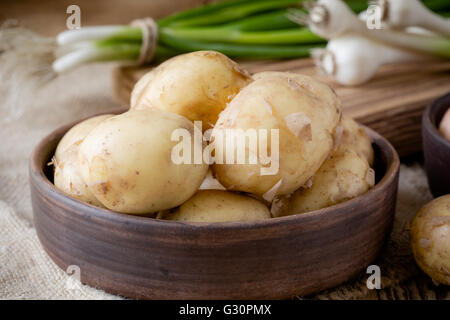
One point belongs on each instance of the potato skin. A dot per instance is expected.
(218, 206)
(430, 239)
(140, 87)
(318, 88)
(126, 162)
(345, 175)
(267, 103)
(67, 176)
(355, 138)
(342, 177)
(196, 85)
(78, 132)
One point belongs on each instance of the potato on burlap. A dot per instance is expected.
(430, 239)
(196, 85)
(127, 162)
(306, 119)
(218, 206)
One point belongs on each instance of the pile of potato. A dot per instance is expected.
(123, 162)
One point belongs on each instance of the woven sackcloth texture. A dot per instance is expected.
(26, 115)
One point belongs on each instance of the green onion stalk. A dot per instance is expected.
(237, 28)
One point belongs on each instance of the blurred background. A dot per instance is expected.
(48, 17)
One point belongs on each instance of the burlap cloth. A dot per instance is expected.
(26, 272)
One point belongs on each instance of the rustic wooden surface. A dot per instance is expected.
(140, 257)
(392, 103)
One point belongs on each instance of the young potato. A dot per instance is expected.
(140, 86)
(218, 206)
(196, 85)
(306, 122)
(127, 162)
(430, 239)
(345, 175)
(355, 138)
(67, 176)
(78, 132)
(342, 177)
(318, 88)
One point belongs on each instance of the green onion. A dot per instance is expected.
(200, 11)
(239, 28)
(401, 14)
(243, 51)
(437, 5)
(334, 19)
(231, 13)
(266, 21)
(288, 36)
(93, 33)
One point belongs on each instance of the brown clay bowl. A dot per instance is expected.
(140, 257)
(436, 148)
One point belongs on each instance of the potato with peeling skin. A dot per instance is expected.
(430, 239)
(318, 88)
(127, 162)
(196, 85)
(344, 176)
(218, 206)
(67, 176)
(77, 133)
(306, 122)
(355, 138)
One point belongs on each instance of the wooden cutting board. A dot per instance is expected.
(392, 103)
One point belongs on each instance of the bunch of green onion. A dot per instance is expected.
(237, 28)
